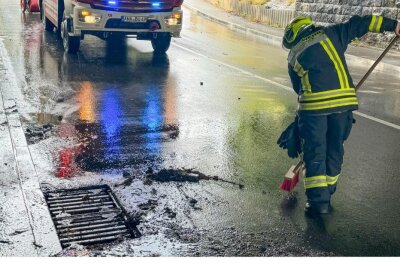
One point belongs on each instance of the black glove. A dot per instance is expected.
(290, 139)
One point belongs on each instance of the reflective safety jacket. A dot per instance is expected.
(318, 69)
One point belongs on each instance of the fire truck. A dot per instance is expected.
(153, 20)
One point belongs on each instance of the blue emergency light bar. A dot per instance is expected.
(112, 2)
(155, 4)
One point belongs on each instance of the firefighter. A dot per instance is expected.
(326, 97)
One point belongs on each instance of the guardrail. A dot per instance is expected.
(272, 17)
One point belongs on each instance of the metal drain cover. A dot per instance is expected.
(88, 215)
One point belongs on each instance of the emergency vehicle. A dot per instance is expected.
(153, 20)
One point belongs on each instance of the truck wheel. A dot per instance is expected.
(70, 43)
(48, 25)
(60, 19)
(23, 5)
(28, 6)
(41, 9)
(161, 43)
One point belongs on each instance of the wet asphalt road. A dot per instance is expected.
(119, 112)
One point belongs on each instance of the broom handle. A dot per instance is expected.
(377, 62)
(298, 166)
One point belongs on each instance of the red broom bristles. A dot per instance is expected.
(289, 184)
(292, 177)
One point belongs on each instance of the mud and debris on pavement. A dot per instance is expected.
(187, 143)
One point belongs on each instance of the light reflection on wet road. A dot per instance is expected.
(126, 109)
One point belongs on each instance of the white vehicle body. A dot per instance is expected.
(154, 20)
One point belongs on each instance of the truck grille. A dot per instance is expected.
(87, 216)
(134, 6)
(118, 24)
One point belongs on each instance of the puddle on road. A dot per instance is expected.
(100, 149)
(104, 149)
(108, 136)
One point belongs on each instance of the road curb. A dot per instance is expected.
(236, 27)
(40, 237)
(277, 40)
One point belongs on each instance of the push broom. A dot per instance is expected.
(292, 177)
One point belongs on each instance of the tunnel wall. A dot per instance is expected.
(322, 11)
(336, 11)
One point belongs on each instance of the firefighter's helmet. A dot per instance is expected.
(295, 30)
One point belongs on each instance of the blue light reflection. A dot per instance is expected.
(153, 119)
(110, 118)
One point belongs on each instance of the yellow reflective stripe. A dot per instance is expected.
(316, 178)
(378, 28)
(309, 98)
(337, 59)
(331, 180)
(329, 106)
(315, 185)
(372, 24)
(301, 72)
(305, 83)
(326, 102)
(334, 63)
(303, 106)
(298, 69)
(334, 91)
(315, 181)
(346, 80)
(327, 94)
(376, 24)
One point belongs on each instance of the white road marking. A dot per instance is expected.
(236, 68)
(369, 92)
(377, 120)
(395, 126)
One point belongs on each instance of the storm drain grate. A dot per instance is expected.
(88, 215)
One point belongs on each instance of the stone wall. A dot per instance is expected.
(335, 11)
(257, 13)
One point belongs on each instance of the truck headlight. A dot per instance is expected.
(87, 17)
(174, 19)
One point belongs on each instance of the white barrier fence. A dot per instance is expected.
(273, 17)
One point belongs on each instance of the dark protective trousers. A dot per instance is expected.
(323, 137)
